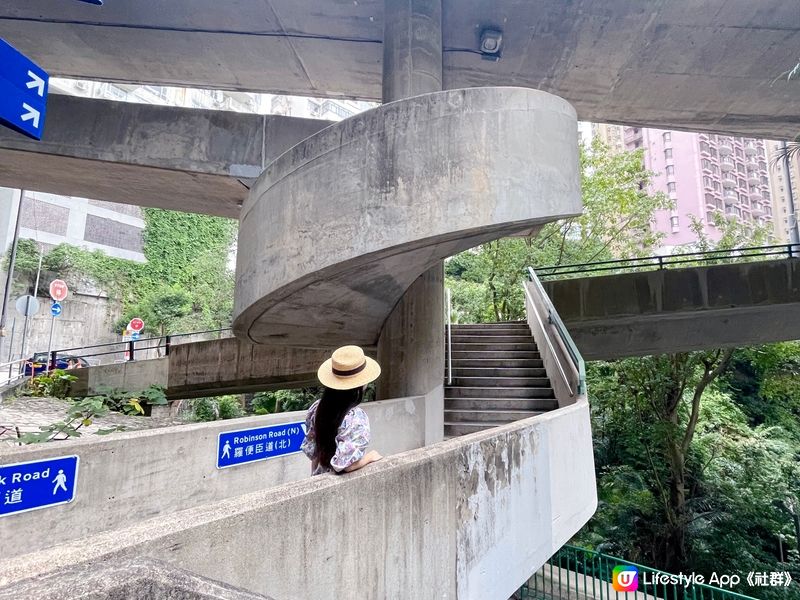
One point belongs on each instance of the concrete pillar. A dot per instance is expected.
(412, 48)
(411, 344)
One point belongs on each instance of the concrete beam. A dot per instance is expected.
(180, 159)
(678, 310)
(471, 517)
(712, 65)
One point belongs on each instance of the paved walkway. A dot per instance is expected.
(28, 414)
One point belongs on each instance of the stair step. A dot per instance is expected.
(480, 371)
(505, 347)
(491, 339)
(532, 404)
(492, 360)
(477, 353)
(491, 415)
(501, 382)
(464, 428)
(521, 331)
(502, 325)
(498, 392)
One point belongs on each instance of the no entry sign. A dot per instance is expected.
(58, 290)
(136, 324)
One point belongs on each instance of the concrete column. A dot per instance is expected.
(411, 344)
(412, 48)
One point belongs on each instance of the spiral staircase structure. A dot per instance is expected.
(337, 229)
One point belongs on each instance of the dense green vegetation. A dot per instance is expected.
(697, 454)
(185, 285)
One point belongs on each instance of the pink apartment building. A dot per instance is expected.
(704, 174)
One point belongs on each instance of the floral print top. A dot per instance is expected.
(351, 440)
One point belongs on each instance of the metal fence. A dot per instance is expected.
(575, 573)
(658, 262)
(128, 350)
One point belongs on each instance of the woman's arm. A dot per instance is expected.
(369, 457)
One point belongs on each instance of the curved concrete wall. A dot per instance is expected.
(337, 228)
(471, 518)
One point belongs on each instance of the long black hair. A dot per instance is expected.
(331, 411)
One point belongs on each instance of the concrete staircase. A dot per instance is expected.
(498, 378)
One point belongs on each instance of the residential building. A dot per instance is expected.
(704, 174)
(786, 208)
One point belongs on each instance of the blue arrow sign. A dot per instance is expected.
(135, 335)
(251, 445)
(55, 309)
(37, 484)
(96, 2)
(23, 92)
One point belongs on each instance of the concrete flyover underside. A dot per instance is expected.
(337, 229)
(679, 310)
(191, 160)
(675, 64)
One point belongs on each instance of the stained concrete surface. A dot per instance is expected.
(337, 229)
(678, 310)
(681, 64)
(469, 518)
(131, 476)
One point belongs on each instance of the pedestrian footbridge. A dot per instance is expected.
(341, 241)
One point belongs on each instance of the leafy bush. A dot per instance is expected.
(133, 403)
(204, 409)
(265, 403)
(229, 407)
(54, 384)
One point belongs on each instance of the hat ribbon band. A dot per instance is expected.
(355, 371)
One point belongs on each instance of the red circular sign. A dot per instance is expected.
(58, 290)
(136, 324)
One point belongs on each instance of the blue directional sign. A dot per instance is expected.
(37, 484)
(97, 2)
(251, 445)
(55, 309)
(135, 335)
(23, 92)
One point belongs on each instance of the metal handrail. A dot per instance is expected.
(550, 345)
(170, 336)
(660, 262)
(449, 301)
(555, 320)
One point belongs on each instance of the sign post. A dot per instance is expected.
(58, 292)
(37, 484)
(260, 443)
(27, 306)
(23, 92)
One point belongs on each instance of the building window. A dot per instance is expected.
(706, 164)
(713, 153)
(742, 183)
(671, 187)
(675, 224)
(710, 218)
(707, 181)
(668, 153)
(668, 136)
(670, 170)
(704, 147)
(738, 152)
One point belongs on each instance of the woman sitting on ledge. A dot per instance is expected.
(337, 429)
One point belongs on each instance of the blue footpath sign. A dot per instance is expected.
(55, 309)
(37, 484)
(23, 92)
(250, 445)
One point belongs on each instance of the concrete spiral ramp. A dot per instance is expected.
(337, 228)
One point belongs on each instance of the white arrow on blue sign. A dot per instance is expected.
(260, 443)
(55, 309)
(23, 92)
(37, 484)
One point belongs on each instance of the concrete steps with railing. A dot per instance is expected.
(498, 377)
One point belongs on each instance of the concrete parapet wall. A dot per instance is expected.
(469, 518)
(144, 474)
(131, 376)
(677, 310)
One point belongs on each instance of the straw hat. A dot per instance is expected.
(348, 368)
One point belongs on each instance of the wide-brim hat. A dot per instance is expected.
(348, 368)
